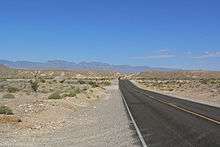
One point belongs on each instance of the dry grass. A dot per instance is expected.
(9, 119)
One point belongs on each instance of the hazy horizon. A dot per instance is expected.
(89, 62)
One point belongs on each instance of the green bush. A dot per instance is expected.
(62, 81)
(203, 81)
(8, 96)
(12, 89)
(42, 80)
(34, 85)
(72, 93)
(81, 82)
(106, 83)
(77, 90)
(3, 79)
(93, 84)
(5, 110)
(1, 88)
(55, 95)
(85, 88)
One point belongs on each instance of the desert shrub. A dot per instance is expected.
(12, 89)
(213, 81)
(70, 94)
(5, 110)
(54, 81)
(72, 82)
(55, 95)
(85, 88)
(93, 84)
(34, 85)
(50, 82)
(81, 82)
(8, 96)
(1, 88)
(3, 79)
(203, 81)
(73, 92)
(170, 89)
(77, 90)
(42, 80)
(62, 81)
(106, 83)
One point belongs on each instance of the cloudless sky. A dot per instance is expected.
(159, 33)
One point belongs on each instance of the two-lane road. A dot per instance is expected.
(166, 121)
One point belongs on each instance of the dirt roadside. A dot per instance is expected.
(104, 123)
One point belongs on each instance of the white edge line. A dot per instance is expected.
(135, 125)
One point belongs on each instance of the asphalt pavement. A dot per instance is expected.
(166, 121)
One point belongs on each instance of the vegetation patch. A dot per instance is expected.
(72, 92)
(81, 82)
(106, 83)
(62, 81)
(34, 85)
(93, 84)
(8, 96)
(12, 89)
(42, 80)
(3, 79)
(5, 110)
(85, 88)
(55, 95)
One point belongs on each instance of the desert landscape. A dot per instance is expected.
(109, 73)
(38, 104)
(199, 86)
(32, 102)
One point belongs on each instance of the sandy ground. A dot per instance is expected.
(38, 114)
(103, 123)
(187, 95)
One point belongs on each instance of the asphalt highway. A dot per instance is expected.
(166, 121)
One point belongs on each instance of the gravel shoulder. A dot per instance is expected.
(103, 123)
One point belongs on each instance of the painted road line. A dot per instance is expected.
(183, 109)
(135, 124)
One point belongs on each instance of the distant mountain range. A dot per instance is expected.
(66, 65)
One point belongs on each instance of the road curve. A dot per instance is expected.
(166, 121)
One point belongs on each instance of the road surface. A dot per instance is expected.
(165, 121)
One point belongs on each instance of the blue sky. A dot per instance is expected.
(159, 33)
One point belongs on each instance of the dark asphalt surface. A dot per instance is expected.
(165, 126)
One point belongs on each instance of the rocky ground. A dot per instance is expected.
(94, 117)
(40, 105)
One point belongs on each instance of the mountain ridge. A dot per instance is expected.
(67, 65)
